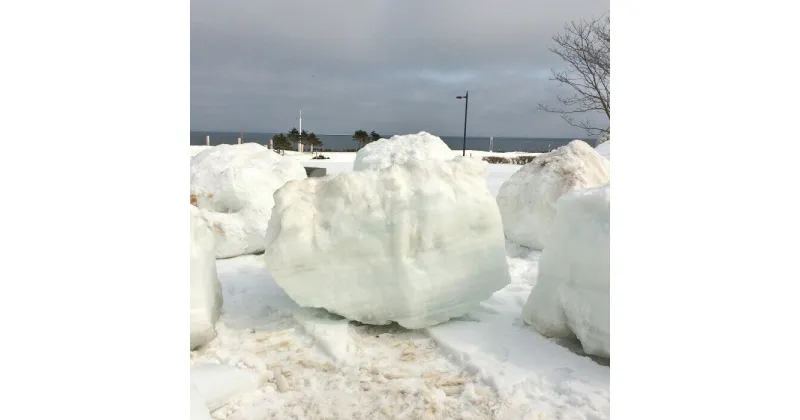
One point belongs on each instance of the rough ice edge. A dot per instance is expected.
(232, 185)
(527, 199)
(205, 292)
(571, 297)
(292, 217)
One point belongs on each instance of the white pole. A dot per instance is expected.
(240, 140)
(271, 146)
(208, 140)
(300, 142)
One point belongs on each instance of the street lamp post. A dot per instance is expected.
(466, 105)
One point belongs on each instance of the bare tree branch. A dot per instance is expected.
(585, 46)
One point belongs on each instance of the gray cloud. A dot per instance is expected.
(392, 66)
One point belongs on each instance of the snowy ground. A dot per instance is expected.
(485, 365)
(351, 156)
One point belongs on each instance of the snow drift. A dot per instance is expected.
(233, 187)
(527, 199)
(571, 296)
(205, 292)
(604, 149)
(417, 243)
(400, 149)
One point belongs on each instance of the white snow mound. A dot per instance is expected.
(571, 296)
(205, 292)
(233, 187)
(604, 149)
(528, 198)
(218, 384)
(400, 149)
(417, 243)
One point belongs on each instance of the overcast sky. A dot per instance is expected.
(394, 66)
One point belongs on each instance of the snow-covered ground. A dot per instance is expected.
(485, 365)
(350, 157)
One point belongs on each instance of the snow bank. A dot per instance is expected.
(417, 243)
(204, 287)
(400, 149)
(604, 149)
(233, 187)
(527, 199)
(218, 384)
(571, 296)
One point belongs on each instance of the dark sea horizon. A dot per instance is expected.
(342, 142)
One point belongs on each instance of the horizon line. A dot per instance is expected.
(350, 134)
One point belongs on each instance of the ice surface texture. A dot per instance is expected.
(205, 293)
(400, 149)
(197, 406)
(527, 199)
(571, 296)
(233, 187)
(217, 384)
(416, 243)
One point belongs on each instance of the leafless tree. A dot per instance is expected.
(585, 47)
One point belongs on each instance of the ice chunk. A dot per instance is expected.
(218, 384)
(604, 149)
(233, 187)
(204, 287)
(197, 406)
(400, 149)
(417, 243)
(571, 296)
(527, 199)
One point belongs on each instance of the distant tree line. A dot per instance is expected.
(363, 138)
(290, 140)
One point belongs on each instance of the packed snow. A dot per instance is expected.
(205, 293)
(528, 198)
(486, 364)
(416, 243)
(400, 149)
(604, 149)
(233, 186)
(571, 297)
